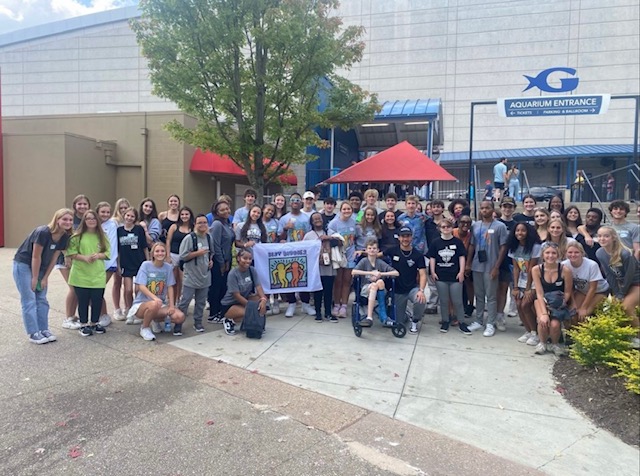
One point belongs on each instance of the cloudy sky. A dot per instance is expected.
(18, 14)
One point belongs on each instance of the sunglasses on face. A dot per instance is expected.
(295, 200)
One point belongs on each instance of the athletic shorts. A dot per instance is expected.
(134, 309)
(504, 275)
(175, 259)
(224, 308)
(113, 269)
(499, 185)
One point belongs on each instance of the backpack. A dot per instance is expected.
(253, 323)
(194, 247)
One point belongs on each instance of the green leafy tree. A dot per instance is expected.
(253, 73)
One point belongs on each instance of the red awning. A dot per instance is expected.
(212, 163)
(402, 163)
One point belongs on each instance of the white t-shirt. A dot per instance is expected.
(588, 272)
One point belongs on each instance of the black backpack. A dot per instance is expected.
(194, 247)
(253, 323)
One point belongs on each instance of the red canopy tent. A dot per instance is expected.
(402, 163)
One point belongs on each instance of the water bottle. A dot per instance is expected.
(167, 324)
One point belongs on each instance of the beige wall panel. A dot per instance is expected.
(129, 184)
(86, 171)
(33, 183)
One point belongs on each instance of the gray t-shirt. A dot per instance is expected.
(629, 233)
(348, 230)
(588, 272)
(42, 236)
(240, 282)
(365, 265)
(196, 272)
(487, 237)
(300, 226)
(253, 233)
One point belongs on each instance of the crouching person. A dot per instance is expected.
(374, 269)
(242, 286)
(155, 300)
(196, 254)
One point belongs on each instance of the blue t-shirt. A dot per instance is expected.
(416, 223)
(156, 279)
(349, 232)
(240, 216)
(300, 226)
(499, 170)
(272, 230)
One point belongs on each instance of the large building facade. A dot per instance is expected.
(86, 78)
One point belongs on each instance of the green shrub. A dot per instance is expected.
(628, 365)
(599, 338)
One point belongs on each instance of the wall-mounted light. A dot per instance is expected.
(376, 124)
(416, 123)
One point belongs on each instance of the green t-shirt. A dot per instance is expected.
(87, 275)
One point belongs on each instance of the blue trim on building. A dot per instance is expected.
(566, 152)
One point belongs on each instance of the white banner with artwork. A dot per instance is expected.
(288, 267)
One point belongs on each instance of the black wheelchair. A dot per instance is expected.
(360, 302)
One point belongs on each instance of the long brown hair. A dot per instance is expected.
(82, 229)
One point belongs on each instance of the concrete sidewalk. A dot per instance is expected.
(306, 399)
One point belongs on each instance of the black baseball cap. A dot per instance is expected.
(405, 230)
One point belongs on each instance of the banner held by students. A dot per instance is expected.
(288, 267)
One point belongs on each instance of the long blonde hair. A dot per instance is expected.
(53, 224)
(615, 257)
(82, 229)
(562, 242)
(117, 216)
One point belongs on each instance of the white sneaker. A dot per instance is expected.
(557, 350)
(275, 307)
(309, 309)
(118, 315)
(414, 328)
(475, 326)
(512, 313)
(291, 310)
(541, 348)
(534, 339)
(146, 333)
(156, 327)
(133, 320)
(524, 337)
(104, 320)
(489, 331)
(501, 324)
(71, 323)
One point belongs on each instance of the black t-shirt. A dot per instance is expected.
(326, 219)
(589, 250)
(407, 263)
(447, 255)
(389, 239)
(522, 218)
(431, 231)
(131, 246)
(511, 224)
(42, 236)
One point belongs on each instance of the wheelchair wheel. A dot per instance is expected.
(357, 330)
(399, 331)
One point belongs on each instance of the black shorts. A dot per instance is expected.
(504, 275)
(224, 308)
(128, 273)
(499, 185)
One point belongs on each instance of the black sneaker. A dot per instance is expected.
(177, 330)
(198, 327)
(98, 329)
(318, 318)
(431, 310)
(85, 331)
(464, 329)
(333, 319)
(444, 327)
(215, 318)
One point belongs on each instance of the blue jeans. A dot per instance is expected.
(35, 307)
(514, 189)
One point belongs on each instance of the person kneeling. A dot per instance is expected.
(375, 269)
(155, 300)
(242, 286)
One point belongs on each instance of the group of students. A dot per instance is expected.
(160, 262)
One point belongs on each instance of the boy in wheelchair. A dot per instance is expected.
(373, 269)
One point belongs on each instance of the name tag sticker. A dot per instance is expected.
(396, 258)
(491, 231)
(395, 236)
(452, 247)
(52, 247)
(247, 279)
(559, 283)
(134, 247)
